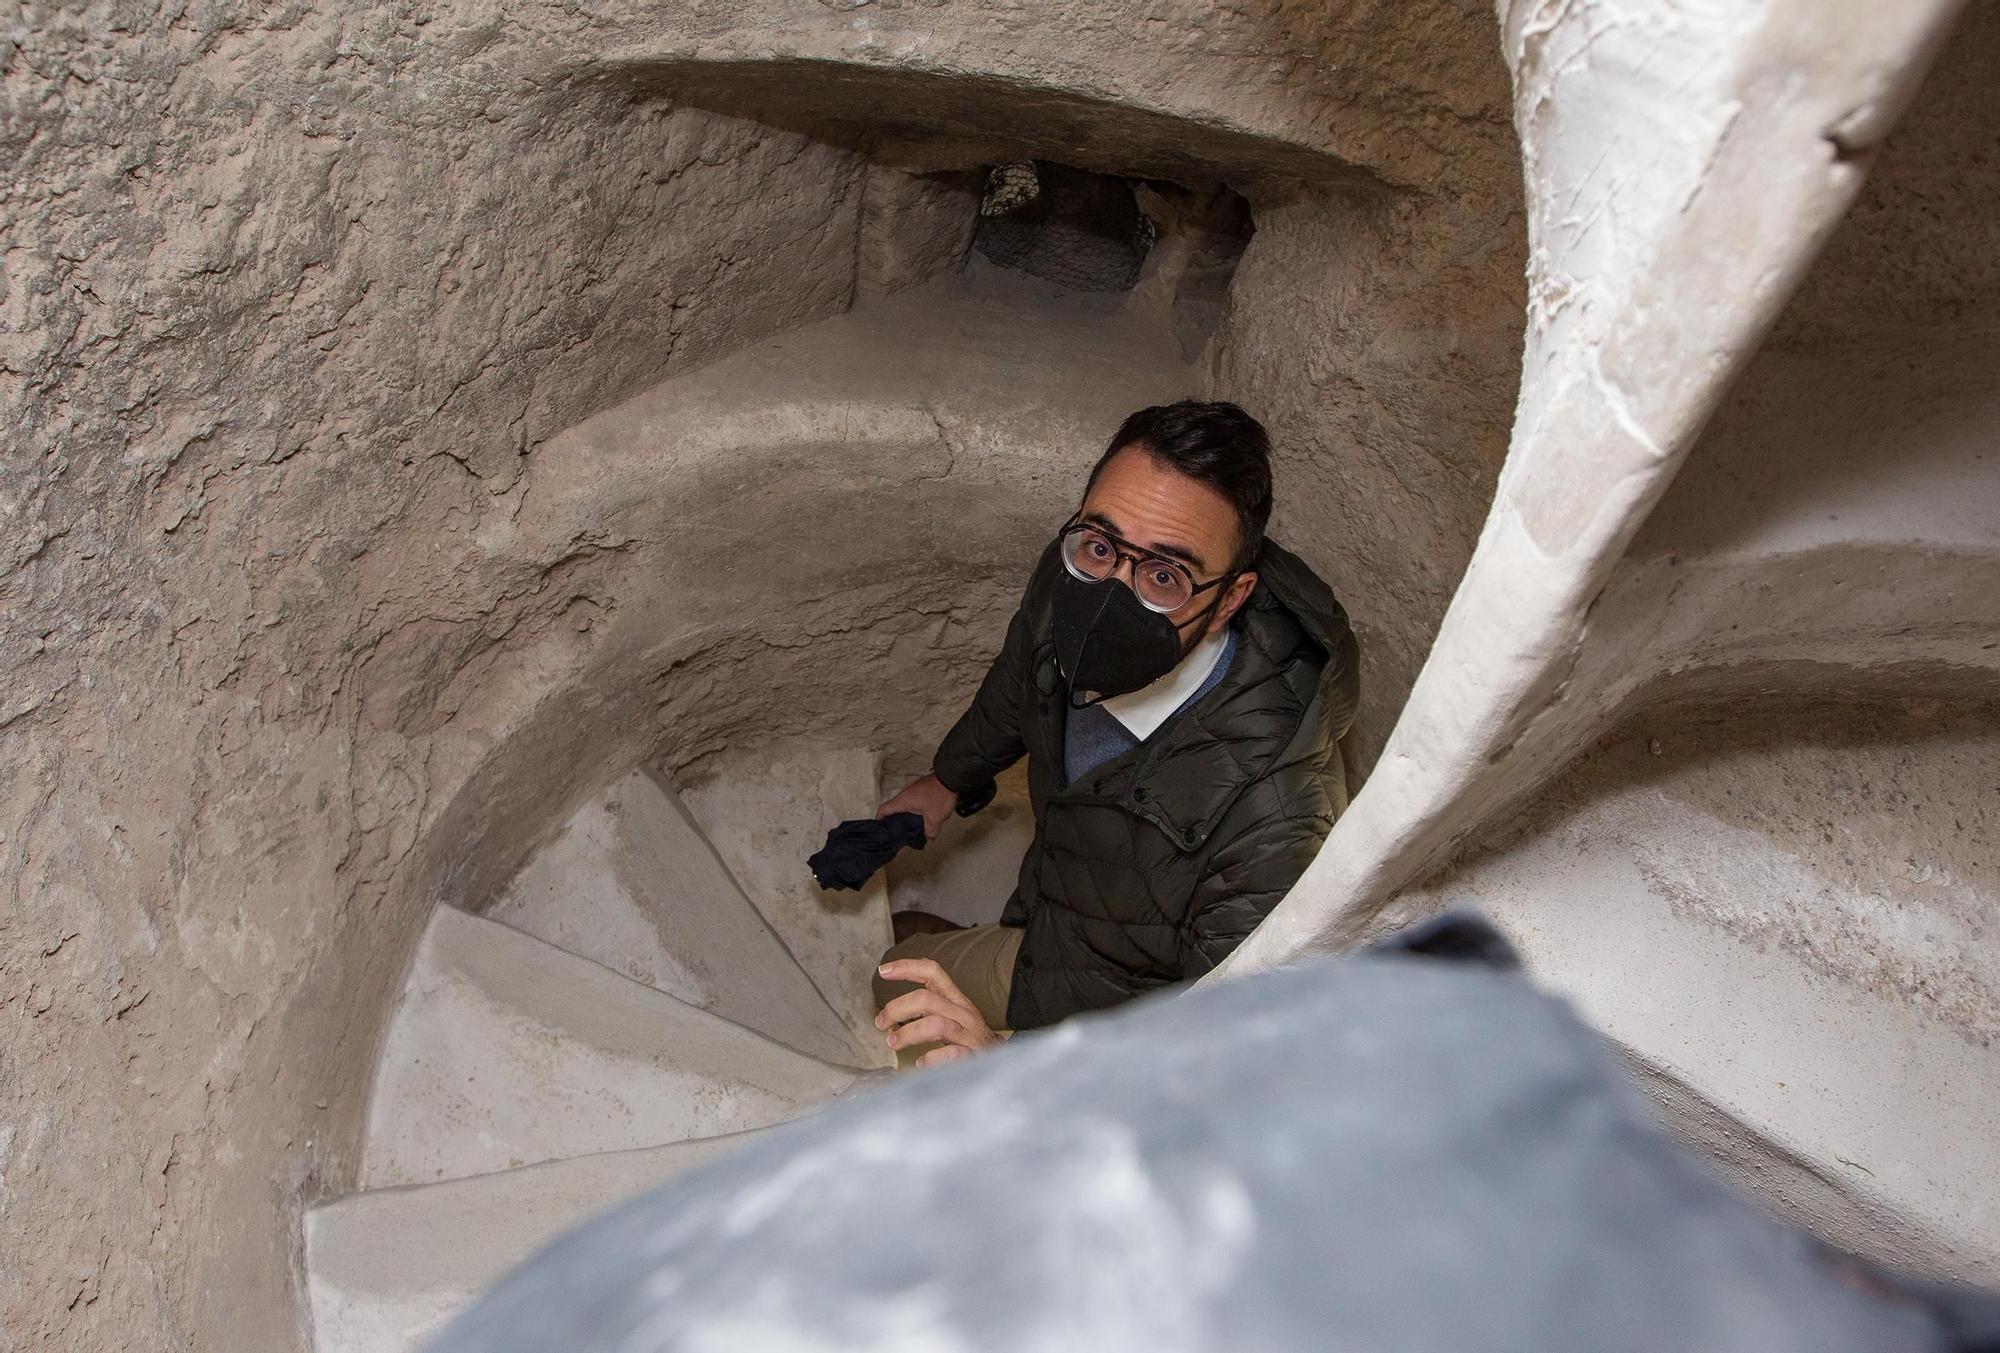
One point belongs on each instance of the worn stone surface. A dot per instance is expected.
(290, 297)
(1787, 906)
(1312, 1158)
(1820, 536)
(632, 883)
(505, 1051)
(766, 813)
(389, 1266)
(341, 563)
(1633, 329)
(913, 227)
(1272, 95)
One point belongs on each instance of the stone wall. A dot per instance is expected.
(290, 296)
(1771, 873)
(294, 303)
(1784, 906)
(1377, 329)
(1378, 336)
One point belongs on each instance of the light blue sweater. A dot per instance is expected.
(1092, 735)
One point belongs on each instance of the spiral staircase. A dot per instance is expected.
(660, 979)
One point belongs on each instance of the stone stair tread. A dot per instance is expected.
(969, 875)
(630, 882)
(766, 812)
(387, 1267)
(507, 1051)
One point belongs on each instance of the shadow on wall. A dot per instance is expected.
(1096, 233)
(1872, 413)
(1834, 529)
(930, 120)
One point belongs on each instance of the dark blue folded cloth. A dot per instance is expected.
(854, 850)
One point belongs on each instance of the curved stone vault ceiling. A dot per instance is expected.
(1772, 883)
(1273, 96)
(347, 549)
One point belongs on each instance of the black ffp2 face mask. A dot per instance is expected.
(1109, 643)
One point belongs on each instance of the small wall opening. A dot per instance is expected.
(1067, 226)
(1107, 234)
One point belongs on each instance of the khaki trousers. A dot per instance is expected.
(980, 959)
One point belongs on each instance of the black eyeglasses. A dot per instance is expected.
(1164, 585)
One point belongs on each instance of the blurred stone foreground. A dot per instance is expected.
(1382, 1152)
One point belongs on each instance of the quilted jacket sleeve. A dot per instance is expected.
(987, 737)
(1343, 681)
(1247, 876)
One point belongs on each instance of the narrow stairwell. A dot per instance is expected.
(765, 814)
(660, 979)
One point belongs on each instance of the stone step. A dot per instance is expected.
(506, 1051)
(969, 874)
(386, 1268)
(766, 812)
(631, 883)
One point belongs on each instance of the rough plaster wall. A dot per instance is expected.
(292, 304)
(290, 296)
(1683, 168)
(1379, 336)
(1787, 906)
(1380, 342)
(1775, 878)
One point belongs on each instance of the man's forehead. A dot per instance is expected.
(1156, 507)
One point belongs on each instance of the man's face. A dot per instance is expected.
(1157, 508)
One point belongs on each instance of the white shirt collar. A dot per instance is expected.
(1144, 710)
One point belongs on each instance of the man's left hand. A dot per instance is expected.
(939, 1013)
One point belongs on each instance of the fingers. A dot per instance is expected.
(934, 1029)
(925, 972)
(916, 1004)
(920, 797)
(927, 797)
(937, 1012)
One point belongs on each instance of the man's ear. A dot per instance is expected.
(1232, 601)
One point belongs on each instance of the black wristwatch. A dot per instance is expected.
(973, 800)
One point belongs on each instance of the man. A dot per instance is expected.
(1179, 685)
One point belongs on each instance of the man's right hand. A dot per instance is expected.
(928, 797)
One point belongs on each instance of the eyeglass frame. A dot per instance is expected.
(1124, 549)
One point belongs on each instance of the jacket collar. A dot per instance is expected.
(1186, 776)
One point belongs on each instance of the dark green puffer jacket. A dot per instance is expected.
(1150, 869)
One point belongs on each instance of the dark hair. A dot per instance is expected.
(1215, 443)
